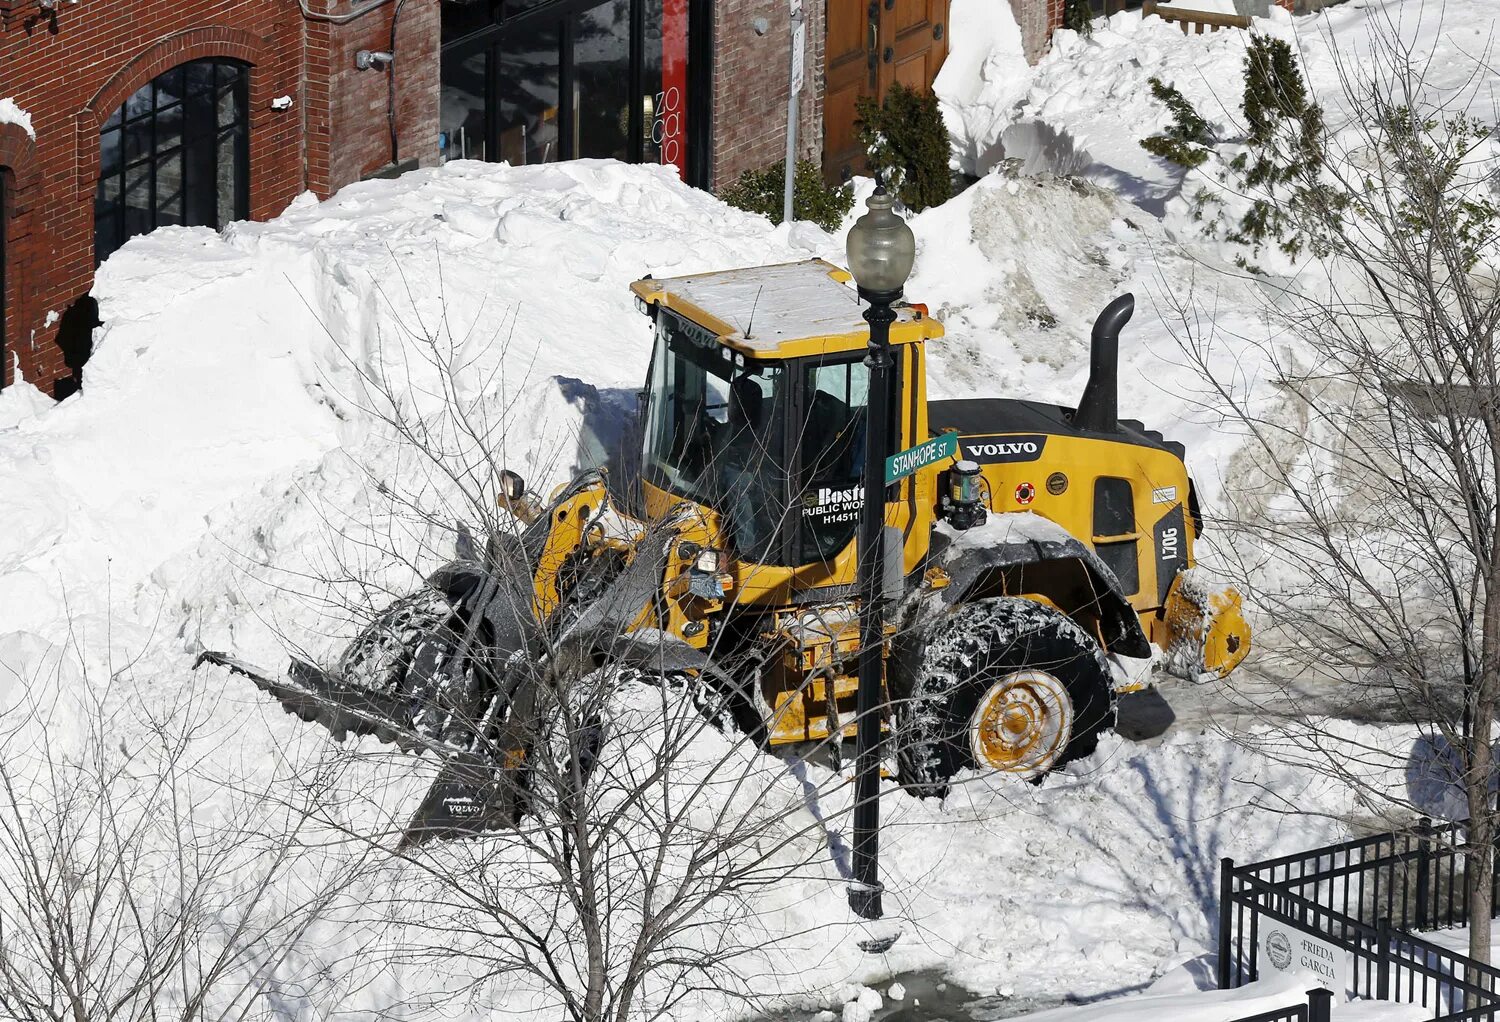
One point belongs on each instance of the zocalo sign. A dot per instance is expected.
(1286, 949)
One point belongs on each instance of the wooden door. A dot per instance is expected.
(850, 60)
(913, 42)
(870, 45)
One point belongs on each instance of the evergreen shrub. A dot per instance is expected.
(908, 147)
(761, 191)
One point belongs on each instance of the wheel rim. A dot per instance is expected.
(1022, 724)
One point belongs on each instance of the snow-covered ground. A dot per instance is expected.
(227, 449)
(1176, 998)
(1088, 104)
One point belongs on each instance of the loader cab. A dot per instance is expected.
(755, 411)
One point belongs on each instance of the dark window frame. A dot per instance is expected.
(1113, 519)
(156, 128)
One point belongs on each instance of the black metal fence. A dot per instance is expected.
(1367, 897)
(1296, 1013)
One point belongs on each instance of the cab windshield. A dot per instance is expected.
(712, 432)
(753, 440)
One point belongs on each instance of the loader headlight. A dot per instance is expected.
(707, 561)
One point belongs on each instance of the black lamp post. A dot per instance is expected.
(880, 250)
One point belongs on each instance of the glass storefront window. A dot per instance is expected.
(461, 105)
(601, 90)
(463, 18)
(527, 93)
(528, 81)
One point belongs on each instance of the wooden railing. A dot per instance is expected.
(1194, 21)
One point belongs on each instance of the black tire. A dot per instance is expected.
(378, 657)
(968, 651)
(413, 653)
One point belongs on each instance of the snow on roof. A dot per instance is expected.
(11, 113)
(764, 307)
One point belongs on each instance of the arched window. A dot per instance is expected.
(176, 152)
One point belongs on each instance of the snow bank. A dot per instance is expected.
(228, 367)
(11, 113)
(982, 77)
(1224, 1006)
(1198, 1006)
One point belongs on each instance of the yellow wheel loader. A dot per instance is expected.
(1044, 547)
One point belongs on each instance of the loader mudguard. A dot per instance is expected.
(620, 605)
(974, 557)
(504, 601)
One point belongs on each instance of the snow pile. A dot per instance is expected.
(982, 77)
(1018, 269)
(11, 113)
(1087, 104)
(21, 401)
(1266, 995)
(241, 370)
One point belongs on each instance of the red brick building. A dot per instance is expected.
(151, 112)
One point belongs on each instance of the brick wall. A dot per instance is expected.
(72, 75)
(750, 86)
(1037, 19)
(360, 138)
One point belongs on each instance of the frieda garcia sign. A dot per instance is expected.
(1286, 949)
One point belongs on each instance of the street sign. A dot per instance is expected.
(798, 60)
(799, 50)
(899, 466)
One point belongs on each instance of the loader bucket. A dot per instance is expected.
(470, 796)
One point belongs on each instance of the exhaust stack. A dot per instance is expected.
(1099, 408)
